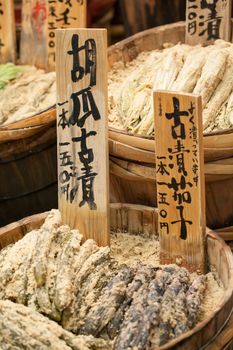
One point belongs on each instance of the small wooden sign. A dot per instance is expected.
(207, 20)
(82, 131)
(63, 14)
(180, 179)
(33, 33)
(7, 31)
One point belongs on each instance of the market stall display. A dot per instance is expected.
(132, 155)
(36, 279)
(157, 278)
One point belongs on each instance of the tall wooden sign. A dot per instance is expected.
(180, 179)
(82, 131)
(33, 33)
(7, 31)
(207, 20)
(62, 14)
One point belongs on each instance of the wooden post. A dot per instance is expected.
(207, 21)
(82, 131)
(180, 179)
(7, 31)
(69, 14)
(33, 33)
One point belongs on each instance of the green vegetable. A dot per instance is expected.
(9, 72)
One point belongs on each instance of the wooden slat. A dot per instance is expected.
(20, 134)
(215, 178)
(134, 219)
(225, 233)
(62, 14)
(180, 179)
(125, 151)
(82, 131)
(117, 170)
(145, 143)
(224, 340)
(7, 31)
(146, 172)
(224, 140)
(227, 161)
(212, 154)
(207, 21)
(226, 236)
(223, 169)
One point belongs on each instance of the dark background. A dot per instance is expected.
(123, 18)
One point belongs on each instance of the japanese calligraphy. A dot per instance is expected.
(179, 185)
(82, 131)
(68, 175)
(178, 166)
(78, 71)
(63, 14)
(207, 20)
(84, 107)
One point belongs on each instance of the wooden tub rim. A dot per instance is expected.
(32, 121)
(210, 236)
(152, 137)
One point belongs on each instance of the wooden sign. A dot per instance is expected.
(7, 31)
(180, 179)
(82, 131)
(33, 33)
(207, 20)
(63, 14)
(40, 19)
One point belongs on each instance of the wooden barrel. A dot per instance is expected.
(28, 167)
(215, 332)
(134, 182)
(132, 178)
(217, 145)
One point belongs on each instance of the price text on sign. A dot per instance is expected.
(7, 31)
(207, 20)
(179, 176)
(63, 14)
(82, 131)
